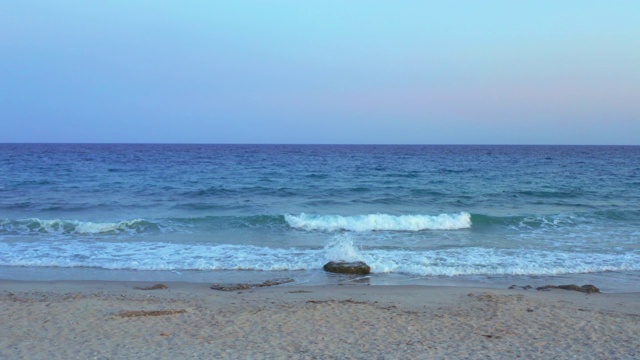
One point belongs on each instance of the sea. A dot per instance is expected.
(421, 215)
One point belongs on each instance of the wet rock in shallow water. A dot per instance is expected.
(589, 289)
(341, 267)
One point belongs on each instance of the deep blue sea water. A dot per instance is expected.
(416, 214)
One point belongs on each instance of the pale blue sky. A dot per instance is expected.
(417, 72)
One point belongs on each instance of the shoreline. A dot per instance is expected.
(114, 319)
(608, 282)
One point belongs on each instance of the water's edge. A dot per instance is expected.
(608, 282)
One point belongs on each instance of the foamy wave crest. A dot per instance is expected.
(380, 222)
(57, 226)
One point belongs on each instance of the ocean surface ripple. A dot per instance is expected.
(418, 211)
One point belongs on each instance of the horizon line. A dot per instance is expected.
(304, 144)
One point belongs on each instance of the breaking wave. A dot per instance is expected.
(74, 227)
(380, 222)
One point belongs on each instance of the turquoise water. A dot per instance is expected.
(490, 214)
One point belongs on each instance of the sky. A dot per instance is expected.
(321, 72)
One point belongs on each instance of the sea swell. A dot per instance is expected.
(360, 223)
(316, 223)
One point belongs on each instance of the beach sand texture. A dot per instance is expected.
(118, 320)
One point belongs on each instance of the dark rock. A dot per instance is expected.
(526, 287)
(589, 289)
(341, 267)
(154, 287)
(235, 287)
(274, 282)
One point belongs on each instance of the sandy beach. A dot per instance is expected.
(121, 320)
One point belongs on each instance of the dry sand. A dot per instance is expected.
(114, 320)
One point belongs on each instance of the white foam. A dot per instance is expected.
(380, 222)
(341, 248)
(58, 226)
(434, 262)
